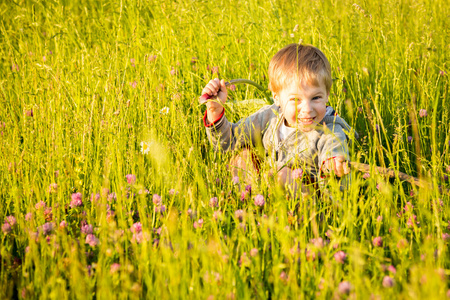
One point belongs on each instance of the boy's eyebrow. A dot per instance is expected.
(312, 93)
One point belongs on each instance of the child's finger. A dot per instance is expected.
(338, 168)
(211, 89)
(346, 167)
(223, 87)
(208, 90)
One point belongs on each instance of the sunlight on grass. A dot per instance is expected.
(109, 187)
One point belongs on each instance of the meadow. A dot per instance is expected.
(109, 187)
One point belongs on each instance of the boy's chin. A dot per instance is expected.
(305, 128)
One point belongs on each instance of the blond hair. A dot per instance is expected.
(297, 62)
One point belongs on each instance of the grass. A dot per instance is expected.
(83, 84)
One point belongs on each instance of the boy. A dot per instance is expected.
(298, 131)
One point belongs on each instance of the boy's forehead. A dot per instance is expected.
(303, 86)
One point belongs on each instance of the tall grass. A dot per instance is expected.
(83, 84)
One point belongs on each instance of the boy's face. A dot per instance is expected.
(303, 104)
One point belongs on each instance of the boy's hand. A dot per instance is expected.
(338, 165)
(214, 107)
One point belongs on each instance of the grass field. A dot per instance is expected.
(87, 213)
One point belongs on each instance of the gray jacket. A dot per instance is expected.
(307, 150)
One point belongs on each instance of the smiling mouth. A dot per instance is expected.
(306, 121)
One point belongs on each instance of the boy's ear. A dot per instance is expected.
(275, 98)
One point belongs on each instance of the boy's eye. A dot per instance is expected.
(316, 98)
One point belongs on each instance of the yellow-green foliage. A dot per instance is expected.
(83, 83)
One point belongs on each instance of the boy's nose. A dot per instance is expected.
(304, 106)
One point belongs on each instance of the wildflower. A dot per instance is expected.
(446, 237)
(340, 257)
(190, 213)
(47, 228)
(409, 206)
(151, 58)
(48, 215)
(377, 241)
(344, 287)
(388, 281)
(411, 221)
(239, 214)
(164, 110)
(379, 219)
(235, 179)
(29, 113)
(6, 228)
(243, 195)
(87, 229)
(283, 276)
(215, 70)
(366, 175)
(132, 61)
(392, 269)
(172, 192)
(114, 268)
(145, 147)
(95, 197)
(248, 188)
(295, 28)
(92, 240)
(318, 242)
(76, 200)
(297, 174)
(157, 199)
(310, 255)
(133, 84)
(410, 138)
(11, 220)
(377, 128)
(53, 188)
(28, 217)
(259, 200)
(423, 113)
(131, 179)
(63, 224)
(232, 87)
(253, 252)
(213, 202)
(402, 243)
(198, 224)
(136, 227)
(160, 209)
(321, 284)
(217, 215)
(173, 71)
(40, 204)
